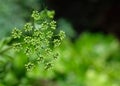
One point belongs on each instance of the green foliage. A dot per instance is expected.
(38, 41)
(82, 63)
(10, 15)
(92, 60)
(15, 13)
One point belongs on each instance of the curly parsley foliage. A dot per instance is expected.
(38, 39)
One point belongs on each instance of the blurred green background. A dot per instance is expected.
(86, 59)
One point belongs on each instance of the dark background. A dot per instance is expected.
(89, 15)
